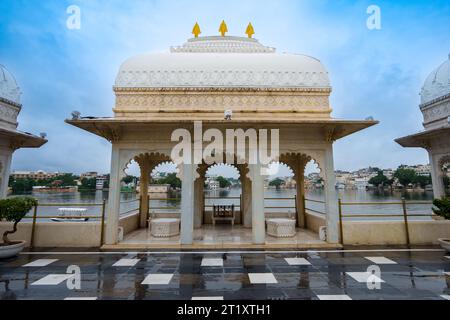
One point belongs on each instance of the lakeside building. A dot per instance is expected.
(11, 139)
(100, 182)
(226, 82)
(435, 107)
(89, 175)
(35, 175)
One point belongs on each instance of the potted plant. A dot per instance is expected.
(13, 210)
(441, 207)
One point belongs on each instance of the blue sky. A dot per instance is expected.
(375, 73)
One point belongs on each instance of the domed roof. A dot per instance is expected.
(437, 84)
(9, 89)
(222, 62)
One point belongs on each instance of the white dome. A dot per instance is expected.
(9, 89)
(222, 62)
(437, 84)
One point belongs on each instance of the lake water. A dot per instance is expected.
(129, 201)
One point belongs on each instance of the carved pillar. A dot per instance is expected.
(5, 168)
(331, 207)
(112, 215)
(187, 204)
(199, 201)
(258, 216)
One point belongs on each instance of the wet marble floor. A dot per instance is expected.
(234, 275)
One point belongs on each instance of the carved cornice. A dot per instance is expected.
(186, 90)
(4, 100)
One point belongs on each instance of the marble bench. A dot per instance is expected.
(164, 228)
(281, 228)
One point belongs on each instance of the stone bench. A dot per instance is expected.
(281, 228)
(164, 228)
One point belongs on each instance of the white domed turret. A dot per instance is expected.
(222, 62)
(437, 84)
(435, 94)
(9, 89)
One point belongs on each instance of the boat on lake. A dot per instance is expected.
(71, 215)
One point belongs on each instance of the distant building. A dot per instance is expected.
(88, 175)
(100, 182)
(362, 183)
(159, 188)
(38, 175)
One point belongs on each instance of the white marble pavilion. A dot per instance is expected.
(435, 107)
(157, 93)
(11, 139)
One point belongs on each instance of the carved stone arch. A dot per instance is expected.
(128, 156)
(238, 163)
(152, 159)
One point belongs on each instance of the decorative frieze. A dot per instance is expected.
(9, 113)
(220, 101)
(220, 78)
(436, 112)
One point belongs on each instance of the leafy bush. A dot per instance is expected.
(441, 207)
(14, 210)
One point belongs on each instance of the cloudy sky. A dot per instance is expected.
(375, 73)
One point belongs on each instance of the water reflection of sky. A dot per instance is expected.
(129, 201)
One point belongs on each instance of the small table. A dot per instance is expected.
(281, 228)
(165, 228)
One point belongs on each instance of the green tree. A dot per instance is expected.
(379, 180)
(405, 176)
(14, 210)
(441, 207)
(21, 186)
(223, 182)
(422, 181)
(276, 183)
(88, 184)
(171, 179)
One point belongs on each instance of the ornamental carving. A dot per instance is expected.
(436, 112)
(221, 78)
(220, 101)
(8, 113)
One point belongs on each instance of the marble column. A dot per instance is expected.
(112, 214)
(436, 176)
(144, 183)
(6, 157)
(258, 217)
(199, 201)
(187, 204)
(331, 206)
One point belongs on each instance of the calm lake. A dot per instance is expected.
(277, 199)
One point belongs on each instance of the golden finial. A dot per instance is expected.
(250, 31)
(196, 31)
(223, 28)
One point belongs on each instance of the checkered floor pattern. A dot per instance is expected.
(349, 275)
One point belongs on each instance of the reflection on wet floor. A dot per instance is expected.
(307, 275)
